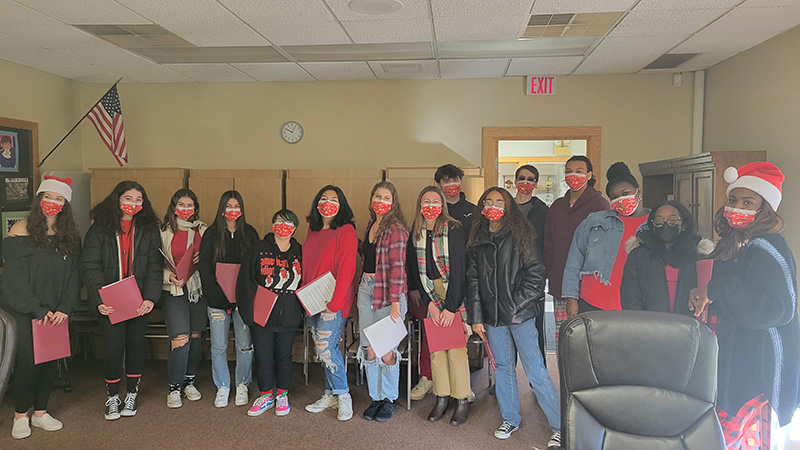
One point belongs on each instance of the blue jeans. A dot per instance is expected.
(505, 342)
(220, 324)
(383, 380)
(326, 330)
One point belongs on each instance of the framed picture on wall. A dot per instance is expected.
(9, 151)
(10, 218)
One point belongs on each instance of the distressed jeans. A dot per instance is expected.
(220, 323)
(505, 343)
(326, 330)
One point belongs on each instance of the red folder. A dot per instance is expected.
(50, 342)
(186, 267)
(226, 278)
(263, 303)
(704, 269)
(488, 351)
(445, 338)
(124, 296)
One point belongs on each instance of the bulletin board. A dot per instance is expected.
(19, 175)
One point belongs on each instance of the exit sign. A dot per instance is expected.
(540, 85)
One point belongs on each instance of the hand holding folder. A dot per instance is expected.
(445, 338)
(50, 342)
(227, 274)
(263, 303)
(186, 267)
(124, 296)
(492, 362)
(315, 295)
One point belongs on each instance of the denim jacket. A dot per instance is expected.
(593, 250)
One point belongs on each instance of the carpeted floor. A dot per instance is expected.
(199, 425)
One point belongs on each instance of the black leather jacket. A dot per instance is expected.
(503, 286)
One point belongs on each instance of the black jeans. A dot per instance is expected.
(273, 352)
(584, 306)
(32, 382)
(125, 343)
(184, 318)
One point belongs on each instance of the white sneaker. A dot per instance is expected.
(21, 428)
(345, 407)
(242, 396)
(328, 401)
(555, 441)
(422, 388)
(46, 422)
(192, 394)
(221, 400)
(174, 399)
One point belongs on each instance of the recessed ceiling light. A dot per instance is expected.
(375, 6)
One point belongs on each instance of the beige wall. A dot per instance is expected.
(753, 103)
(49, 100)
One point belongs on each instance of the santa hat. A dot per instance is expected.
(58, 185)
(763, 178)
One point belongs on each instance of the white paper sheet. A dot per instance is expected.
(384, 334)
(315, 295)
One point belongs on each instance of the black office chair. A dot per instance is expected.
(8, 349)
(636, 380)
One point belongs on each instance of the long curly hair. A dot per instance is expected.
(734, 239)
(343, 217)
(444, 217)
(108, 215)
(395, 215)
(521, 229)
(67, 240)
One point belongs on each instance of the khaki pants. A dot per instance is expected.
(450, 368)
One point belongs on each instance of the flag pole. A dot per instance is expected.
(76, 125)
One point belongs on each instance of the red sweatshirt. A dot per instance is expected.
(333, 250)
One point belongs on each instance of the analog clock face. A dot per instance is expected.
(292, 132)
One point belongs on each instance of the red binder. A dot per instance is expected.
(226, 278)
(263, 303)
(50, 342)
(445, 338)
(124, 296)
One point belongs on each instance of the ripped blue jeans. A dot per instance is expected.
(326, 330)
(220, 325)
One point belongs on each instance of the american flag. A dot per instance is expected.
(107, 119)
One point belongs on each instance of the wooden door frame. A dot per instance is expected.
(33, 127)
(491, 137)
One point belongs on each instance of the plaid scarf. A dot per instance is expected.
(441, 254)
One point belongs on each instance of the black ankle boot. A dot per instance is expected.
(461, 413)
(438, 409)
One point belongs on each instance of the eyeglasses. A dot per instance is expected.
(499, 203)
(672, 221)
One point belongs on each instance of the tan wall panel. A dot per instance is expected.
(160, 184)
(209, 191)
(409, 182)
(263, 198)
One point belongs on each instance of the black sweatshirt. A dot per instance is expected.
(463, 211)
(457, 246)
(39, 280)
(234, 250)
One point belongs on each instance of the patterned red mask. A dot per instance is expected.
(381, 207)
(451, 189)
(50, 207)
(739, 218)
(232, 214)
(130, 208)
(184, 213)
(625, 205)
(283, 230)
(431, 212)
(525, 187)
(493, 213)
(327, 208)
(576, 181)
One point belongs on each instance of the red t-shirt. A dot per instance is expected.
(606, 296)
(178, 247)
(126, 247)
(672, 285)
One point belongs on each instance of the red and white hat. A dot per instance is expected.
(58, 185)
(763, 178)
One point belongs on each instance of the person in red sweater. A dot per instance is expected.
(331, 245)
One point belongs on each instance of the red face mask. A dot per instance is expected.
(525, 187)
(625, 205)
(283, 230)
(130, 208)
(381, 207)
(184, 213)
(431, 212)
(451, 189)
(232, 214)
(739, 218)
(327, 208)
(493, 213)
(576, 181)
(50, 207)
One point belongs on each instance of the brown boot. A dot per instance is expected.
(438, 409)
(461, 413)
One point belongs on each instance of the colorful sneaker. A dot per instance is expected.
(192, 394)
(328, 401)
(282, 405)
(262, 403)
(504, 430)
(221, 400)
(129, 405)
(112, 408)
(174, 399)
(242, 396)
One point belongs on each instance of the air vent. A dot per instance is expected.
(670, 61)
(401, 68)
(584, 24)
(127, 36)
(549, 19)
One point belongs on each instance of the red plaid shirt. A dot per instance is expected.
(390, 265)
(743, 431)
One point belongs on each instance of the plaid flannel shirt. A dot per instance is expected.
(390, 265)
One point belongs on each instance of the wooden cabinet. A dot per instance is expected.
(696, 181)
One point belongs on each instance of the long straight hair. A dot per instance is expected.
(734, 239)
(521, 229)
(108, 214)
(170, 219)
(67, 240)
(395, 215)
(220, 226)
(444, 217)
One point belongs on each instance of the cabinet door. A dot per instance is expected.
(683, 190)
(704, 202)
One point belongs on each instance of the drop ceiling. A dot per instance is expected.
(305, 40)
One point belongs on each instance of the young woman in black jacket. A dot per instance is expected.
(40, 283)
(274, 263)
(123, 241)
(226, 241)
(662, 261)
(505, 284)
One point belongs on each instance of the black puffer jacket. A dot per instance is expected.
(100, 263)
(503, 286)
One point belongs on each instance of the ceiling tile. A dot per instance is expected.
(405, 70)
(476, 28)
(626, 54)
(762, 3)
(755, 20)
(86, 12)
(482, 8)
(53, 36)
(339, 71)
(682, 5)
(707, 42)
(219, 35)
(27, 55)
(105, 77)
(474, 68)
(412, 9)
(665, 23)
(304, 33)
(386, 31)
(260, 11)
(274, 71)
(705, 60)
(209, 72)
(580, 6)
(543, 66)
(115, 59)
(16, 14)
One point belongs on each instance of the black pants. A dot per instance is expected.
(32, 382)
(184, 318)
(583, 306)
(273, 352)
(125, 343)
(540, 329)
